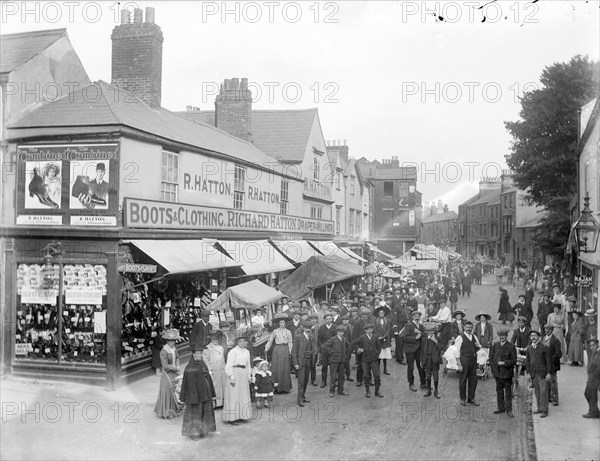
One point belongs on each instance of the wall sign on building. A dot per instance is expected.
(68, 184)
(149, 214)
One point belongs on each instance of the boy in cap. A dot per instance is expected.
(593, 381)
(538, 365)
(503, 358)
(337, 348)
(431, 357)
(368, 347)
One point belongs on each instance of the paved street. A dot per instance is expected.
(403, 425)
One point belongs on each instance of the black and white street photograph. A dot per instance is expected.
(300, 230)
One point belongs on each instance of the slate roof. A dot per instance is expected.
(448, 216)
(282, 134)
(100, 104)
(486, 197)
(17, 49)
(376, 171)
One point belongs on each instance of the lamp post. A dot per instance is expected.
(587, 229)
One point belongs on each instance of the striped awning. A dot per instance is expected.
(256, 256)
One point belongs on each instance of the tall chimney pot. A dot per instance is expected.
(138, 16)
(125, 16)
(150, 14)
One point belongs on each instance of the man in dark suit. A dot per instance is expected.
(294, 324)
(520, 338)
(314, 331)
(412, 335)
(503, 358)
(431, 357)
(337, 318)
(358, 329)
(303, 359)
(399, 318)
(369, 347)
(553, 345)
(538, 364)
(337, 349)
(199, 335)
(593, 381)
(326, 332)
(467, 346)
(544, 309)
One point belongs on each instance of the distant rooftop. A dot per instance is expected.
(17, 49)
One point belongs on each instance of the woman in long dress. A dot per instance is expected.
(166, 403)
(504, 308)
(237, 404)
(577, 331)
(283, 340)
(197, 392)
(382, 331)
(214, 357)
(559, 321)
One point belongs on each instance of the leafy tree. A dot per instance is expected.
(543, 151)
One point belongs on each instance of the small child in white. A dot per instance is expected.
(264, 385)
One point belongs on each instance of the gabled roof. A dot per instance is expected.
(447, 216)
(282, 134)
(17, 49)
(377, 171)
(100, 104)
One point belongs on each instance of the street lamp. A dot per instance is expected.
(587, 229)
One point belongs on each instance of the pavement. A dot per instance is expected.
(51, 420)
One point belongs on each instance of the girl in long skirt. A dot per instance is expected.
(281, 367)
(167, 405)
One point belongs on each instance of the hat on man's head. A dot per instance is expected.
(572, 299)
(340, 328)
(101, 167)
(197, 347)
(205, 313)
(345, 317)
(324, 303)
(369, 325)
(503, 332)
(548, 326)
(415, 313)
(536, 332)
(335, 307)
(354, 309)
(307, 325)
(592, 340)
(590, 313)
(365, 310)
(522, 296)
(313, 316)
(524, 319)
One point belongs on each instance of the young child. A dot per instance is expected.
(255, 369)
(264, 385)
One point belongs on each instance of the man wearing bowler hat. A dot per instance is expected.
(98, 186)
(503, 358)
(593, 382)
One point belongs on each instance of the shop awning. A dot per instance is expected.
(415, 264)
(249, 295)
(329, 248)
(298, 251)
(181, 256)
(377, 250)
(256, 256)
(351, 253)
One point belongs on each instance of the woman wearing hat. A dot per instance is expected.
(559, 321)
(237, 404)
(166, 403)
(577, 331)
(282, 339)
(382, 331)
(483, 330)
(458, 324)
(214, 356)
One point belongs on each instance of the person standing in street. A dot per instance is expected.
(303, 359)
(399, 318)
(369, 348)
(326, 332)
(199, 335)
(413, 332)
(544, 309)
(237, 404)
(283, 340)
(314, 332)
(337, 348)
(503, 358)
(504, 308)
(593, 381)
(197, 392)
(431, 357)
(538, 365)
(555, 351)
(466, 346)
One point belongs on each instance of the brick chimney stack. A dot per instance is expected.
(233, 108)
(137, 56)
(342, 150)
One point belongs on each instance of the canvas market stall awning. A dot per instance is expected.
(329, 248)
(256, 256)
(382, 253)
(249, 295)
(298, 251)
(354, 255)
(318, 271)
(183, 256)
(415, 264)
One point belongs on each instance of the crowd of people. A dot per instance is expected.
(416, 322)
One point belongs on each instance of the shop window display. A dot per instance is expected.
(83, 334)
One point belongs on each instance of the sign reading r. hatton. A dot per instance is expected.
(148, 214)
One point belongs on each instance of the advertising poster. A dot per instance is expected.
(68, 184)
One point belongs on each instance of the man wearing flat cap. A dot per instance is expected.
(503, 358)
(411, 336)
(337, 348)
(368, 348)
(593, 381)
(199, 335)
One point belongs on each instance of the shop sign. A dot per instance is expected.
(38, 296)
(317, 189)
(148, 214)
(68, 184)
(138, 268)
(23, 348)
(83, 296)
(583, 281)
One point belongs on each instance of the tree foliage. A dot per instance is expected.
(543, 151)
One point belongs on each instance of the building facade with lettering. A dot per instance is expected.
(140, 216)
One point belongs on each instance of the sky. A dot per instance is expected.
(429, 82)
